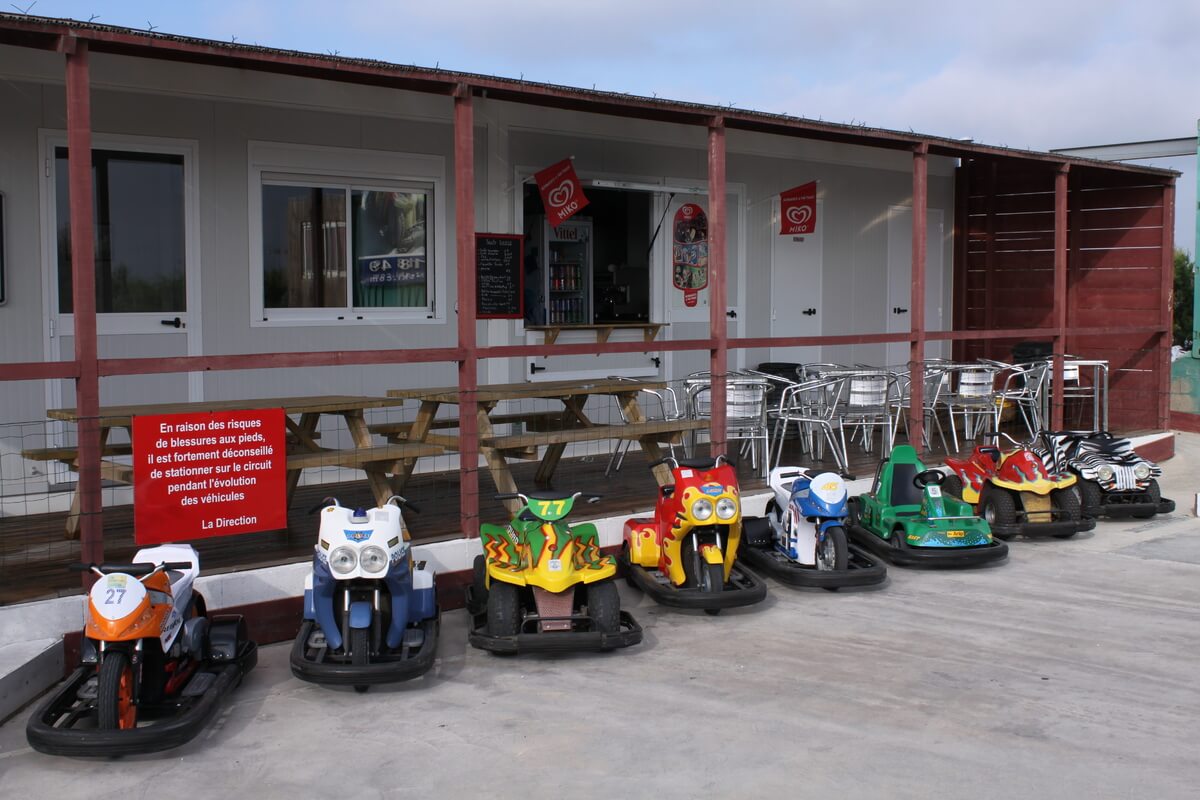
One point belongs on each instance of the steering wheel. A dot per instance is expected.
(934, 476)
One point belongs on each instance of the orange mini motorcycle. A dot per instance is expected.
(154, 665)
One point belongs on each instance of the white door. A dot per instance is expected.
(146, 237)
(796, 265)
(899, 277)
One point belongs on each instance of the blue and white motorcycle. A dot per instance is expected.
(370, 613)
(802, 539)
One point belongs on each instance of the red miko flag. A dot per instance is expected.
(561, 191)
(798, 210)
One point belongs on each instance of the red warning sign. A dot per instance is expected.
(213, 474)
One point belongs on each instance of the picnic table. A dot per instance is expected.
(553, 429)
(304, 452)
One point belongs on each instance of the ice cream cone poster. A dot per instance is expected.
(689, 252)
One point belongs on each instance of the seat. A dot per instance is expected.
(1024, 387)
(936, 380)
(973, 396)
(904, 491)
(865, 403)
(809, 405)
(745, 412)
(663, 408)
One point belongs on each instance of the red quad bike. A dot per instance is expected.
(685, 555)
(1015, 492)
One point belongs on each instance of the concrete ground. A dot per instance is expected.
(1068, 672)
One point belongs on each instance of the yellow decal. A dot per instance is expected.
(546, 505)
(956, 534)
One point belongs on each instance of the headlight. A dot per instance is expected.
(726, 508)
(1141, 471)
(342, 560)
(1105, 473)
(373, 559)
(702, 509)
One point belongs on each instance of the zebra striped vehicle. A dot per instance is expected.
(1113, 479)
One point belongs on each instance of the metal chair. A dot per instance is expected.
(1024, 387)
(745, 412)
(809, 405)
(865, 402)
(667, 405)
(935, 380)
(974, 396)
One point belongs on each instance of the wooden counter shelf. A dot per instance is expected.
(603, 330)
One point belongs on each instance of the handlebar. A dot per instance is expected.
(140, 569)
(590, 497)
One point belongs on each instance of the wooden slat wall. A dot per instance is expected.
(1115, 240)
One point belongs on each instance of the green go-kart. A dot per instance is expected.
(909, 521)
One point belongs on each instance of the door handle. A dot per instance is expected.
(731, 314)
(534, 368)
(808, 312)
(899, 310)
(173, 323)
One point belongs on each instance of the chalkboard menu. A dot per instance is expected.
(499, 276)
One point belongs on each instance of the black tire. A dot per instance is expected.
(712, 581)
(853, 511)
(898, 539)
(1091, 496)
(479, 591)
(504, 609)
(1067, 502)
(998, 508)
(835, 545)
(113, 668)
(1155, 496)
(953, 486)
(604, 606)
(360, 647)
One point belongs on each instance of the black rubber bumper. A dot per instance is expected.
(1043, 529)
(864, 569)
(384, 669)
(164, 734)
(1130, 509)
(573, 641)
(747, 589)
(947, 557)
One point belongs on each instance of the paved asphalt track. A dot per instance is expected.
(1067, 672)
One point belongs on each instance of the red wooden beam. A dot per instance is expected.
(83, 288)
(1166, 287)
(958, 294)
(1060, 292)
(324, 358)
(468, 376)
(916, 357)
(39, 370)
(717, 321)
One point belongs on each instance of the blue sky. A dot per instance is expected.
(1054, 73)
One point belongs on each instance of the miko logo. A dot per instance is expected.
(562, 194)
(799, 215)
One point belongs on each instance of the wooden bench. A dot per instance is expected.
(385, 456)
(69, 454)
(660, 431)
(533, 420)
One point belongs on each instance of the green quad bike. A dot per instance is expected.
(909, 521)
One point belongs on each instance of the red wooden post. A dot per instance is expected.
(1060, 292)
(468, 377)
(1167, 286)
(718, 334)
(916, 304)
(83, 290)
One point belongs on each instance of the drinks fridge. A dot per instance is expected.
(567, 250)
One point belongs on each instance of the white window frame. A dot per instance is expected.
(277, 163)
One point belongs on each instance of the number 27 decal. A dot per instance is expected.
(114, 597)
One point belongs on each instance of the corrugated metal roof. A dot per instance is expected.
(39, 31)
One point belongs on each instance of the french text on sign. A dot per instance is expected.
(208, 474)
